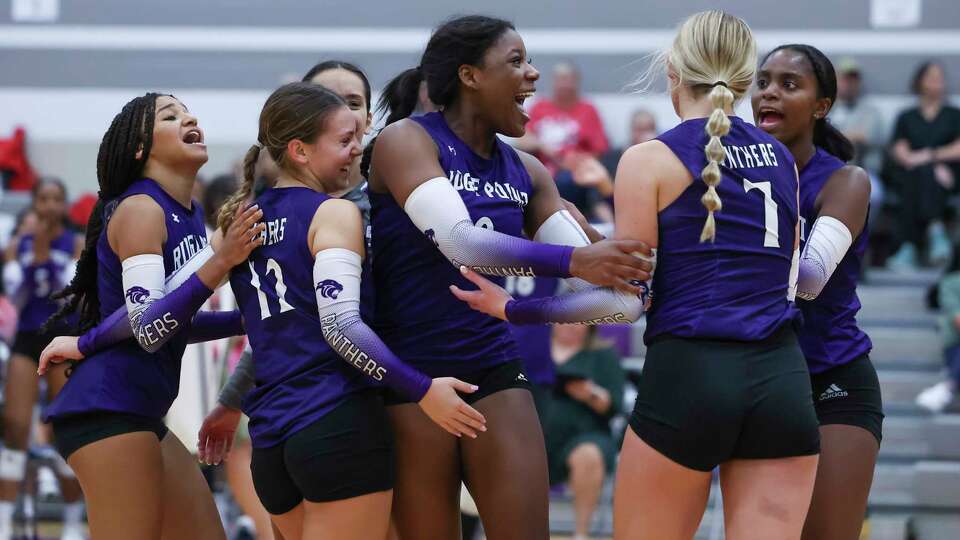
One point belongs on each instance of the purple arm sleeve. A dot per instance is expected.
(214, 325)
(497, 254)
(356, 343)
(597, 305)
(113, 329)
(154, 324)
(206, 326)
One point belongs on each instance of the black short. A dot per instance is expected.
(30, 343)
(704, 402)
(72, 433)
(347, 453)
(850, 395)
(489, 380)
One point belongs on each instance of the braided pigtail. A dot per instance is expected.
(717, 126)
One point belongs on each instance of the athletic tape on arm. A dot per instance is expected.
(336, 277)
(436, 208)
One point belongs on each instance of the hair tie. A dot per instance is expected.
(720, 83)
(259, 145)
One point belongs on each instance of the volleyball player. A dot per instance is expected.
(796, 87)
(352, 85)
(725, 382)
(107, 419)
(322, 461)
(41, 262)
(444, 188)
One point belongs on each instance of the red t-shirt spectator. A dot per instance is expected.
(562, 130)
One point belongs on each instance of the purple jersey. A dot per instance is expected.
(830, 336)
(533, 340)
(415, 314)
(43, 279)
(734, 288)
(299, 378)
(125, 378)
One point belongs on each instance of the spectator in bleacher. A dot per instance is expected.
(566, 133)
(862, 124)
(565, 125)
(925, 165)
(943, 395)
(857, 118)
(580, 446)
(643, 127)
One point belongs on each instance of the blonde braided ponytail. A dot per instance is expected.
(717, 126)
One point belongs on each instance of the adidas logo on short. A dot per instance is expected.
(522, 377)
(833, 391)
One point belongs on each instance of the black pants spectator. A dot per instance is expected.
(922, 200)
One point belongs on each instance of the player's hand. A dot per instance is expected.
(444, 406)
(490, 298)
(243, 236)
(611, 263)
(61, 349)
(216, 434)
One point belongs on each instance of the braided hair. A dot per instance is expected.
(130, 133)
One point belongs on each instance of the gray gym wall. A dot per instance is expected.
(64, 81)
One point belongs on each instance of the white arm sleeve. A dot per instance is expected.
(336, 273)
(588, 303)
(437, 210)
(561, 228)
(826, 246)
(336, 276)
(190, 268)
(143, 283)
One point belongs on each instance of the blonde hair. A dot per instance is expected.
(714, 51)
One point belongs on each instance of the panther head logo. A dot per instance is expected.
(432, 236)
(645, 295)
(138, 295)
(329, 288)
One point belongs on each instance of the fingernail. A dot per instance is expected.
(463, 269)
(475, 387)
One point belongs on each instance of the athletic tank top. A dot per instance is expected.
(43, 279)
(299, 378)
(415, 314)
(734, 288)
(830, 336)
(125, 378)
(533, 340)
